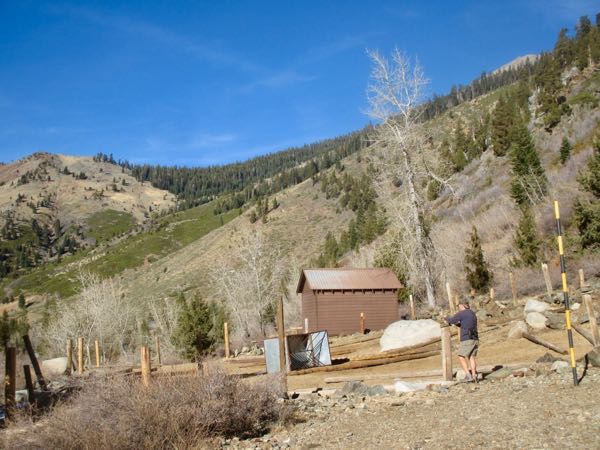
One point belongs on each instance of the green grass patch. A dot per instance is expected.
(173, 232)
(107, 224)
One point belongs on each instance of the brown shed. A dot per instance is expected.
(332, 299)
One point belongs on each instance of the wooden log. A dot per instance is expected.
(157, 349)
(446, 355)
(543, 343)
(10, 379)
(450, 297)
(281, 337)
(34, 362)
(394, 354)
(547, 280)
(362, 323)
(413, 312)
(364, 364)
(587, 300)
(80, 355)
(513, 288)
(69, 356)
(97, 349)
(583, 332)
(29, 384)
(145, 363)
(581, 279)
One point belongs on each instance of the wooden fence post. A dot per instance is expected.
(10, 379)
(492, 294)
(281, 338)
(547, 280)
(97, 348)
(362, 323)
(446, 354)
(581, 279)
(587, 300)
(146, 369)
(79, 355)
(157, 345)
(34, 362)
(413, 311)
(450, 297)
(226, 339)
(29, 384)
(513, 288)
(69, 356)
(306, 324)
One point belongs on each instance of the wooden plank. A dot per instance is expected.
(34, 362)
(29, 384)
(544, 343)
(413, 312)
(547, 280)
(10, 379)
(587, 300)
(583, 332)
(446, 354)
(363, 364)
(513, 288)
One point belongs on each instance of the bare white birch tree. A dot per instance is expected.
(405, 162)
(251, 283)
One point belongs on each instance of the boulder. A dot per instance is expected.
(55, 366)
(405, 386)
(499, 374)
(547, 358)
(533, 305)
(517, 329)
(555, 321)
(536, 320)
(593, 357)
(560, 366)
(575, 306)
(406, 333)
(360, 389)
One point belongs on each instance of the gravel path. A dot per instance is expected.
(533, 412)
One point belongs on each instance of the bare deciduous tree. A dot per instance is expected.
(251, 283)
(406, 162)
(99, 312)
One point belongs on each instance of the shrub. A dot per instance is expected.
(182, 413)
(479, 275)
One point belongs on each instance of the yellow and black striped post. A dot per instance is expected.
(563, 272)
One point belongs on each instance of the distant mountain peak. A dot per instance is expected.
(517, 62)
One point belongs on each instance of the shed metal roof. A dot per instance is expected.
(348, 279)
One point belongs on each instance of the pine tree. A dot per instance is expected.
(526, 240)
(587, 212)
(479, 275)
(192, 334)
(565, 150)
(461, 147)
(502, 125)
(529, 181)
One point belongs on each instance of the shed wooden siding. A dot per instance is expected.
(338, 312)
(309, 308)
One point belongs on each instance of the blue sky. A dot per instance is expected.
(199, 83)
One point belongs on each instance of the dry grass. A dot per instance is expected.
(181, 413)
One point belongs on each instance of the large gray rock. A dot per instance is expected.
(360, 389)
(517, 328)
(534, 305)
(561, 366)
(406, 333)
(536, 320)
(499, 374)
(55, 366)
(555, 321)
(593, 357)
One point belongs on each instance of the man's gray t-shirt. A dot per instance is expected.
(468, 324)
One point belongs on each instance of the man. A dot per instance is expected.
(469, 339)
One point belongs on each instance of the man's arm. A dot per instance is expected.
(455, 319)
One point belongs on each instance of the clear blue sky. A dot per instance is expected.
(210, 82)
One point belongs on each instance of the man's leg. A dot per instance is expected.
(473, 367)
(463, 363)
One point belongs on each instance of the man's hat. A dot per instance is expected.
(465, 303)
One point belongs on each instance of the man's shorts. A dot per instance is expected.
(468, 348)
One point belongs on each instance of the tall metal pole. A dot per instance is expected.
(565, 289)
